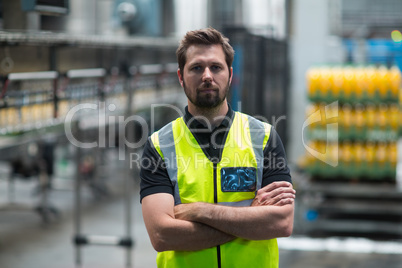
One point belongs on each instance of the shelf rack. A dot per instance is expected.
(63, 39)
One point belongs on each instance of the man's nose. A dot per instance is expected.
(207, 75)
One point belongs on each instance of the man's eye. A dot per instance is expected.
(196, 68)
(216, 68)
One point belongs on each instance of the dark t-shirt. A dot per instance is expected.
(154, 176)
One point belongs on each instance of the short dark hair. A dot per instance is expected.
(207, 36)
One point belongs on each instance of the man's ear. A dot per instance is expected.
(231, 76)
(179, 74)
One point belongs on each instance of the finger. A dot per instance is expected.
(284, 197)
(277, 199)
(264, 196)
(283, 191)
(178, 209)
(277, 184)
(286, 201)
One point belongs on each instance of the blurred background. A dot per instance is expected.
(83, 83)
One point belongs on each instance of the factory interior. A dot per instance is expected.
(83, 84)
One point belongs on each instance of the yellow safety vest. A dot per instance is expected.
(197, 179)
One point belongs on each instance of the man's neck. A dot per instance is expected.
(213, 115)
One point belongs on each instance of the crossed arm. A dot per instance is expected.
(198, 226)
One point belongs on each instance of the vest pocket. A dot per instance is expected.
(238, 179)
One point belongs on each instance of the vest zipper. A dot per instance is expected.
(218, 248)
(215, 184)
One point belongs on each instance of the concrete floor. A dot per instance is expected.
(26, 242)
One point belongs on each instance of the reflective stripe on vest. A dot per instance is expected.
(196, 179)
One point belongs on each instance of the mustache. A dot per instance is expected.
(207, 85)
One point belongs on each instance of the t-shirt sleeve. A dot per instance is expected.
(275, 162)
(153, 173)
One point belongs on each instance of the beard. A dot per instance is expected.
(210, 99)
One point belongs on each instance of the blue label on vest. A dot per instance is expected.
(238, 179)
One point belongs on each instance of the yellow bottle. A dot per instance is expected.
(337, 81)
(359, 152)
(347, 116)
(25, 114)
(383, 116)
(372, 82)
(333, 152)
(347, 152)
(400, 96)
(381, 155)
(324, 83)
(371, 163)
(313, 82)
(370, 116)
(395, 81)
(348, 83)
(393, 154)
(394, 117)
(360, 82)
(358, 157)
(370, 149)
(359, 118)
(383, 82)
(310, 159)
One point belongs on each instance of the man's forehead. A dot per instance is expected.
(205, 52)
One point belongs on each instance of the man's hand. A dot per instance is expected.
(187, 212)
(278, 193)
(270, 214)
(169, 233)
(275, 194)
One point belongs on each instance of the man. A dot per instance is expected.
(215, 187)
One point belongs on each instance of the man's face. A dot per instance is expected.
(205, 77)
